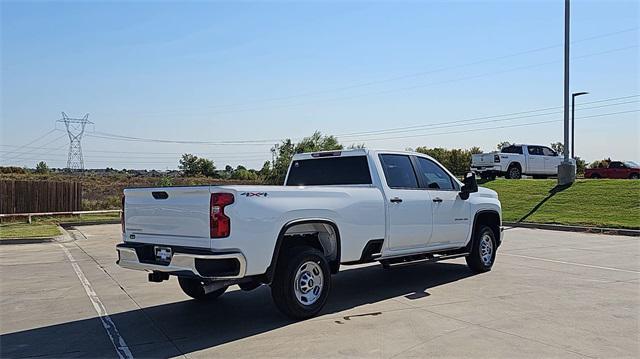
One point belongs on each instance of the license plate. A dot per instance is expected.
(163, 254)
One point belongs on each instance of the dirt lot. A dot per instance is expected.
(551, 294)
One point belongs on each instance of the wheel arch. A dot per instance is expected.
(488, 217)
(282, 242)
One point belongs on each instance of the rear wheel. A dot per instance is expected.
(595, 176)
(634, 176)
(514, 172)
(483, 251)
(301, 283)
(195, 289)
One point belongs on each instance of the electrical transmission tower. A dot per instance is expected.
(75, 130)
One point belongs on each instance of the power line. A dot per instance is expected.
(270, 141)
(451, 132)
(412, 75)
(34, 141)
(18, 157)
(413, 87)
(497, 127)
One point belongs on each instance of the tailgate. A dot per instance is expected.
(168, 215)
(483, 159)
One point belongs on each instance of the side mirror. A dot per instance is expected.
(470, 185)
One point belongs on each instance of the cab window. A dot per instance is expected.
(434, 176)
(398, 171)
(535, 151)
(549, 152)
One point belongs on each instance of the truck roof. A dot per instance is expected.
(349, 152)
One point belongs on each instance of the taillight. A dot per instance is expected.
(122, 215)
(496, 158)
(220, 224)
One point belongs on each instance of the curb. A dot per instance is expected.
(562, 227)
(27, 240)
(93, 223)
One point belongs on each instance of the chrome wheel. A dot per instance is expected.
(486, 249)
(308, 283)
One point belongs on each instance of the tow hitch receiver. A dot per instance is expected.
(158, 277)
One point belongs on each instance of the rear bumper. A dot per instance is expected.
(491, 169)
(184, 261)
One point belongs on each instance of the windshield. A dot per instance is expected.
(631, 164)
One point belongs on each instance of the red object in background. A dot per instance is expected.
(616, 169)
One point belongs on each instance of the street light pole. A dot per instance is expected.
(566, 169)
(567, 38)
(573, 122)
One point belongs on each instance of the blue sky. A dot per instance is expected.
(224, 71)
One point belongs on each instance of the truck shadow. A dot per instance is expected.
(552, 192)
(188, 326)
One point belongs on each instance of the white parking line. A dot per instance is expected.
(109, 326)
(571, 263)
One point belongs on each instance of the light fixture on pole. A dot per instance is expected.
(573, 122)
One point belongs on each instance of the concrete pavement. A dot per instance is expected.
(550, 294)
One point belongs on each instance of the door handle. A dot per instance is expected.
(437, 199)
(396, 200)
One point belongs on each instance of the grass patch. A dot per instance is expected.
(601, 203)
(25, 230)
(48, 226)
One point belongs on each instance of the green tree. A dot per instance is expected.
(42, 167)
(455, 160)
(192, 165)
(165, 181)
(581, 165)
(502, 145)
(265, 170)
(284, 151)
(558, 147)
(189, 165)
(206, 167)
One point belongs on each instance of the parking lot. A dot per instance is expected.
(550, 294)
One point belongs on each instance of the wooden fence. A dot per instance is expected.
(39, 196)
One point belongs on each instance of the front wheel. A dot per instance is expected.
(195, 289)
(301, 283)
(483, 251)
(634, 176)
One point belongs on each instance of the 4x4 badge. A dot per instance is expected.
(254, 194)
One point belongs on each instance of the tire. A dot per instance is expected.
(195, 289)
(479, 260)
(634, 176)
(301, 283)
(595, 176)
(514, 172)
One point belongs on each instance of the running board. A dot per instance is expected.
(421, 258)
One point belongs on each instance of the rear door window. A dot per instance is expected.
(349, 170)
(399, 172)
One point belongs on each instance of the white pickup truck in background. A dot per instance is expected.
(516, 160)
(341, 207)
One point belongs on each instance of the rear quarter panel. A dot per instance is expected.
(256, 220)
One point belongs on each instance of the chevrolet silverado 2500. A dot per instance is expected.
(339, 207)
(515, 160)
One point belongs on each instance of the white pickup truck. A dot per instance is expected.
(340, 207)
(516, 160)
